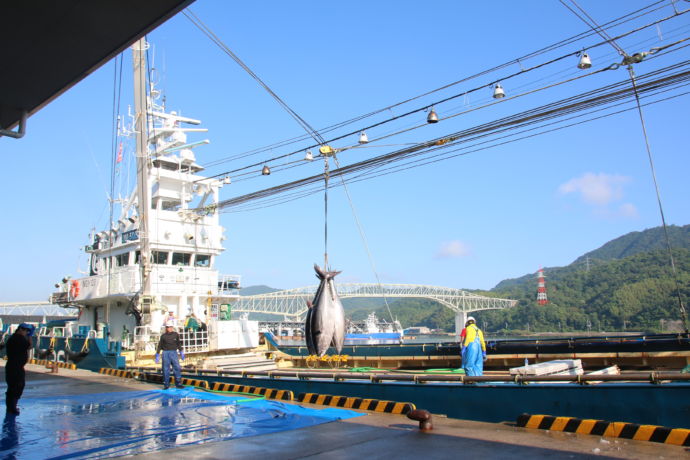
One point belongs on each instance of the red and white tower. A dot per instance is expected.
(541, 288)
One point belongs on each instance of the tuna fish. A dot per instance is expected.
(325, 323)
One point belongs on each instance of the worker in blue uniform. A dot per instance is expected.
(473, 348)
(170, 344)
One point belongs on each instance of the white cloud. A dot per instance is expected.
(628, 210)
(597, 189)
(453, 250)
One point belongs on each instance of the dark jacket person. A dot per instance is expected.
(17, 346)
(169, 344)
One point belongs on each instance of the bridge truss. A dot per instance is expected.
(35, 309)
(292, 303)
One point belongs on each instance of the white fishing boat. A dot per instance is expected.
(374, 331)
(158, 258)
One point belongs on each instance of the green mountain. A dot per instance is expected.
(635, 293)
(258, 289)
(636, 242)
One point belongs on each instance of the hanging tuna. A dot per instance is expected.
(325, 323)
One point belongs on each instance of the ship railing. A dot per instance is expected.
(194, 341)
(57, 331)
(145, 338)
(229, 285)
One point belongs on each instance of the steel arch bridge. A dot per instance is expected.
(292, 303)
(34, 309)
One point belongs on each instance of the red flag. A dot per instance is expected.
(119, 154)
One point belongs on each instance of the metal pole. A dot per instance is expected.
(143, 199)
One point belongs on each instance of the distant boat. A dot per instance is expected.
(374, 331)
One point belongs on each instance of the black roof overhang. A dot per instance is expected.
(50, 45)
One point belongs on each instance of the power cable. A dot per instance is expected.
(444, 100)
(438, 102)
(604, 95)
(615, 22)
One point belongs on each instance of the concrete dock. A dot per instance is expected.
(372, 436)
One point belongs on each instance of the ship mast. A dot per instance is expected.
(143, 199)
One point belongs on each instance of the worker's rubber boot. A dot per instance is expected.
(12, 406)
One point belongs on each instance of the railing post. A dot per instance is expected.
(460, 320)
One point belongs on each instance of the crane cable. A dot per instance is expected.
(215, 39)
(364, 239)
(630, 60)
(681, 307)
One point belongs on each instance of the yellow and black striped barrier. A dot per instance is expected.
(653, 433)
(158, 378)
(346, 402)
(270, 393)
(116, 372)
(194, 383)
(46, 362)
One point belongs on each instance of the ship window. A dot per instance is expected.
(122, 259)
(202, 260)
(159, 257)
(181, 258)
(170, 205)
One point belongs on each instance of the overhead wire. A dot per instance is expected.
(615, 22)
(441, 101)
(288, 197)
(633, 81)
(294, 163)
(417, 126)
(607, 94)
(460, 94)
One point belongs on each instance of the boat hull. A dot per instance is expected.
(91, 354)
(662, 350)
(643, 403)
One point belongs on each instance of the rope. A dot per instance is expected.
(595, 27)
(85, 347)
(215, 39)
(326, 175)
(364, 239)
(400, 371)
(681, 307)
(253, 396)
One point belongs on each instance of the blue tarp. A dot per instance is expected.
(134, 422)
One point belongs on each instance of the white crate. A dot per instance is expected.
(556, 367)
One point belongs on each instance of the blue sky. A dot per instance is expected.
(467, 222)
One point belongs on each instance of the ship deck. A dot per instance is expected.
(374, 435)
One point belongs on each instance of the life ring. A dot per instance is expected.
(74, 289)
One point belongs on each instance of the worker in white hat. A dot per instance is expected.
(170, 344)
(473, 348)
